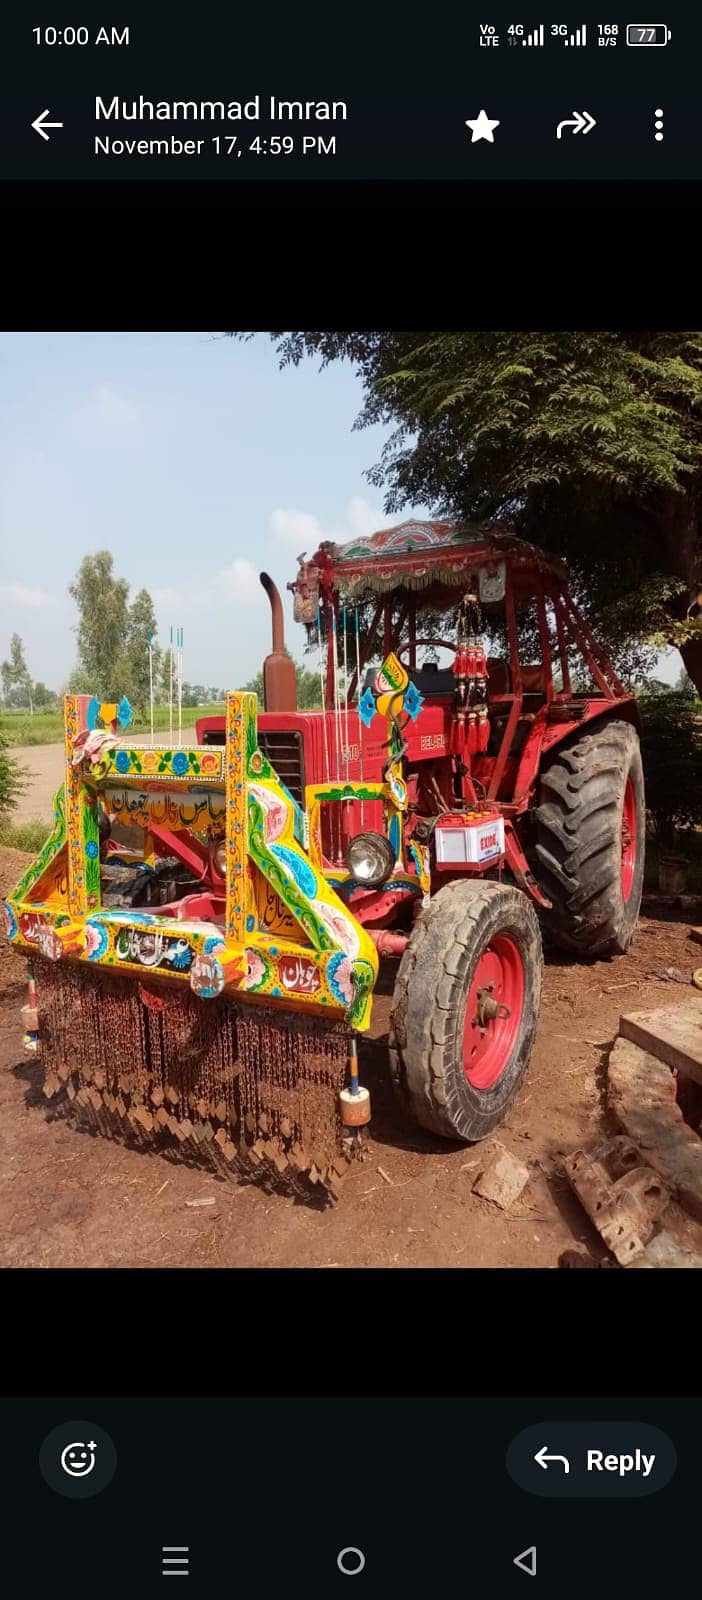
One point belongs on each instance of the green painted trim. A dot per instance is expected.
(49, 851)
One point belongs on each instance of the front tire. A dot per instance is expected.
(590, 840)
(455, 1067)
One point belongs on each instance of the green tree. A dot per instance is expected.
(79, 682)
(671, 749)
(255, 686)
(141, 626)
(43, 697)
(12, 780)
(102, 601)
(166, 687)
(15, 673)
(309, 691)
(684, 684)
(589, 444)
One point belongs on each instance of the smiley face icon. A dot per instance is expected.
(78, 1459)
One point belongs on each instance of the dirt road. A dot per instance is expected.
(43, 764)
(70, 1200)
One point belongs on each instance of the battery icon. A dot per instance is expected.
(647, 33)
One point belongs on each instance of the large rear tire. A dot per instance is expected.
(590, 840)
(456, 1067)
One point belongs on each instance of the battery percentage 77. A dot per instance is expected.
(647, 33)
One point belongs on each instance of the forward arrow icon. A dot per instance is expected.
(580, 122)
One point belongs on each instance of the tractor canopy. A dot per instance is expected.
(427, 561)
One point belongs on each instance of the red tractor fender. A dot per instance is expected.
(548, 735)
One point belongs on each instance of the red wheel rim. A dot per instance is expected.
(628, 839)
(488, 1040)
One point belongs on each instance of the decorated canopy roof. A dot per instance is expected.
(423, 555)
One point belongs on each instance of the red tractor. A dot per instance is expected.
(447, 805)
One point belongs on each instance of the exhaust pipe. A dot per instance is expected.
(279, 680)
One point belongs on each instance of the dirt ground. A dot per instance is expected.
(68, 1199)
(43, 764)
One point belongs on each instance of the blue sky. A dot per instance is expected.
(195, 461)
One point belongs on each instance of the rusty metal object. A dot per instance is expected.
(243, 1089)
(623, 1196)
(279, 679)
(488, 1009)
(387, 942)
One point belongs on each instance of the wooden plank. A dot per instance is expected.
(672, 1033)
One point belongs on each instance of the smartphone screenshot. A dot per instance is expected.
(350, 801)
(163, 94)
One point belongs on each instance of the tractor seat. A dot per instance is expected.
(430, 679)
(498, 676)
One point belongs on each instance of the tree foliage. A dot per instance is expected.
(141, 628)
(671, 748)
(16, 675)
(113, 635)
(102, 601)
(589, 444)
(309, 689)
(11, 780)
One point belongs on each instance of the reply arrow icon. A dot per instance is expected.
(580, 122)
(543, 1459)
(40, 125)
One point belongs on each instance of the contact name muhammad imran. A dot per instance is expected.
(142, 110)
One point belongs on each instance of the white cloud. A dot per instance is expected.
(237, 582)
(112, 409)
(363, 518)
(240, 578)
(19, 595)
(298, 530)
(301, 531)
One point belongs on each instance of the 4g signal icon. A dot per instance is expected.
(518, 34)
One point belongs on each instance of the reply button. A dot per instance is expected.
(591, 1460)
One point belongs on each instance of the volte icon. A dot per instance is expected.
(526, 1561)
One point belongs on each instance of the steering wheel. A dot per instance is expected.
(441, 644)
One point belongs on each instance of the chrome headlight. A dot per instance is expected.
(220, 859)
(370, 859)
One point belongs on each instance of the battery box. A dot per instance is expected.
(469, 838)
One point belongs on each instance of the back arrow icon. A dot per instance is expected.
(543, 1459)
(526, 1560)
(581, 122)
(40, 125)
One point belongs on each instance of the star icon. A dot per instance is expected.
(482, 128)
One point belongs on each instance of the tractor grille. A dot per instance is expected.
(283, 747)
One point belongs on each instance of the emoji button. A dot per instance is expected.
(78, 1460)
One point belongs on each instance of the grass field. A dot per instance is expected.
(28, 836)
(46, 727)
